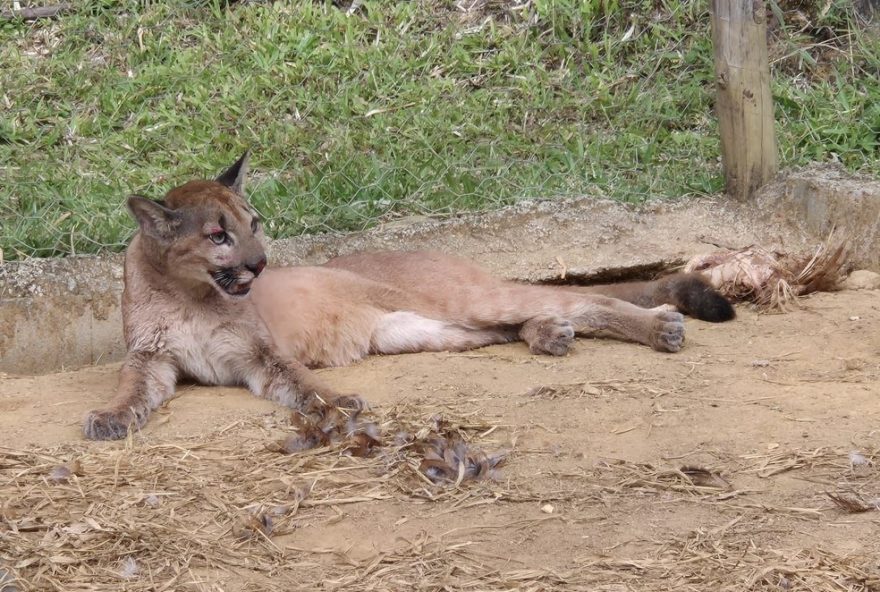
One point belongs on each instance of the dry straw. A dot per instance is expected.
(221, 511)
(141, 516)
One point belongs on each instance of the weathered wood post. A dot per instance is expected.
(743, 101)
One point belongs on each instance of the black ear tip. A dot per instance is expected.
(233, 177)
(243, 159)
(137, 201)
(134, 201)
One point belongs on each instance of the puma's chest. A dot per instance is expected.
(210, 349)
(211, 353)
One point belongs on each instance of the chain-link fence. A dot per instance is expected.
(359, 117)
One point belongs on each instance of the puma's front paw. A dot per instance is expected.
(667, 332)
(111, 424)
(321, 403)
(350, 402)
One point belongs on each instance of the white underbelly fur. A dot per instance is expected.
(207, 356)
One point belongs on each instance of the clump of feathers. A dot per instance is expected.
(331, 426)
(447, 458)
(441, 451)
(772, 280)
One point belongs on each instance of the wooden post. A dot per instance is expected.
(743, 101)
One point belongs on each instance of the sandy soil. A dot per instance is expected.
(774, 408)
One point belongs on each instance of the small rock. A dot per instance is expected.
(862, 279)
(855, 318)
(760, 363)
(63, 473)
(548, 508)
(854, 364)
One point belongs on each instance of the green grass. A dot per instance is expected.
(405, 107)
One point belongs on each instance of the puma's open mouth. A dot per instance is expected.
(239, 289)
(228, 281)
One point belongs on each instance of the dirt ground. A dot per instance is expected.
(628, 469)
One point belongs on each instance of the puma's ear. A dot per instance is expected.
(234, 176)
(154, 218)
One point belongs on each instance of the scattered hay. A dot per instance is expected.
(726, 558)
(431, 563)
(692, 480)
(781, 461)
(593, 388)
(853, 503)
(152, 516)
(220, 512)
(770, 279)
(440, 449)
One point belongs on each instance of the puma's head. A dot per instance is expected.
(204, 234)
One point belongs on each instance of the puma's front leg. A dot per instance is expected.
(145, 381)
(292, 384)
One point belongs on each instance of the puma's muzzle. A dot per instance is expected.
(237, 281)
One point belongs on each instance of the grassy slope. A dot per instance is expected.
(405, 107)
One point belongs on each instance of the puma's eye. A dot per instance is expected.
(255, 224)
(218, 238)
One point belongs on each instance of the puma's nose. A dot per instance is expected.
(257, 267)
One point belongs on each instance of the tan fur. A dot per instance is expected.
(193, 308)
(345, 310)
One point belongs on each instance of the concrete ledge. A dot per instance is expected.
(63, 313)
(823, 198)
(60, 313)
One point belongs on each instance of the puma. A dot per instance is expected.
(199, 303)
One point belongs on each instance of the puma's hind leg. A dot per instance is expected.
(541, 312)
(662, 330)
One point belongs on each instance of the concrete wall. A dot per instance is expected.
(822, 199)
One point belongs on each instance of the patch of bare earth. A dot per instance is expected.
(749, 461)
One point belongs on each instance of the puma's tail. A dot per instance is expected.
(690, 293)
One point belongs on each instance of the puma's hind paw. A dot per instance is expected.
(667, 332)
(549, 336)
(112, 424)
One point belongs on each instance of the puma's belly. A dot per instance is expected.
(316, 316)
